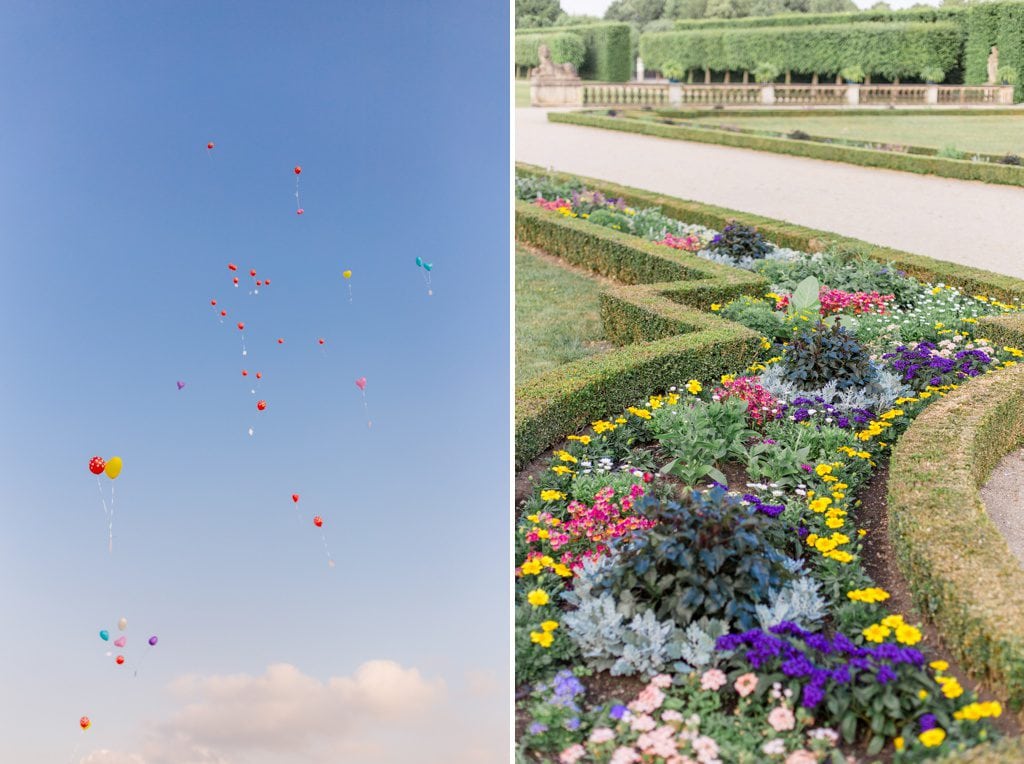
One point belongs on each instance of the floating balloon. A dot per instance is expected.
(241, 326)
(419, 262)
(120, 641)
(232, 267)
(209, 145)
(245, 373)
(428, 266)
(346, 274)
(320, 341)
(253, 273)
(299, 211)
(120, 660)
(223, 313)
(122, 623)
(213, 302)
(318, 521)
(298, 202)
(180, 384)
(280, 341)
(153, 641)
(259, 283)
(84, 723)
(113, 468)
(361, 383)
(235, 280)
(266, 281)
(259, 375)
(104, 635)
(298, 170)
(295, 498)
(261, 405)
(97, 465)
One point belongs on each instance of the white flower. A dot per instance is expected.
(774, 747)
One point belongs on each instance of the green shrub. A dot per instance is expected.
(566, 47)
(585, 486)
(739, 241)
(606, 55)
(950, 152)
(701, 436)
(759, 315)
(826, 353)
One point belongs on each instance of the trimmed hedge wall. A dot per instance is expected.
(607, 49)
(958, 565)
(809, 19)
(961, 169)
(665, 326)
(969, 279)
(566, 47)
(889, 50)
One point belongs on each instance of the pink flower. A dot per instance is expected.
(801, 756)
(642, 723)
(661, 742)
(624, 755)
(662, 681)
(746, 684)
(572, 754)
(712, 679)
(706, 749)
(649, 699)
(781, 719)
(601, 735)
(672, 716)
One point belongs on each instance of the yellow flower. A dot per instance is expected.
(562, 570)
(1015, 352)
(874, 594)
(642, 413)
(820, 504)
(693, 387)
(812, 539)
(531, 567)
(932, 737)
(907, 634)
(823, 469)
(825, 545)
(897, 743)
(975, 711)
(834, 522)
(549, 625)
(893, 621)
(673, 399)
(839, 556)
(542, 638)
(951, 688)
(551, 495)
(543, 533)
(602, 426)
(892, 414)
(584, 439)
(716, 306)
(547, 561)
(537, 597)
(861, 532)
(727, 378)
(561, 469)
(533, 518)
(876, 633)
(765, 344)
(565, 456)
(939, 665)
(922, 694)
(620, 420)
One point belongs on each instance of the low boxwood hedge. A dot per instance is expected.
(961, 169)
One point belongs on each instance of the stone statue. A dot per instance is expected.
(548, 69)
(993, 66)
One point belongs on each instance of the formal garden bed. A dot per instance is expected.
(694, 545)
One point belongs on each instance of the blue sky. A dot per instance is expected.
(116, 228)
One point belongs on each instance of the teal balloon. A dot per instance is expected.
(104, 635)
(419, 261)
(428, 266)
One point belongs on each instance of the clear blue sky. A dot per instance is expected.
(115, 231)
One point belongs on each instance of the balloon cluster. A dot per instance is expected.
(427, 267)
(112, 467)
(121, 641)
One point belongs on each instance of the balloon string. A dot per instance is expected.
(367, 410)
(244, 351)
(111, 526)
(107, 513)
(75, 752)
(349, 292)
(330, 559)
(298, 204)
(426, 278)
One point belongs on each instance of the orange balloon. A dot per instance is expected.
(84, 723)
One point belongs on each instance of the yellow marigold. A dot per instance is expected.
(561, 469)
(765, 344)
(840, 538)
(620, 420)
(839, 556)
(549, 625)
(939, 665)
(951, 688)
(812, 539)
(1015, 352)
(543, 533)
(876, 632)
(861, 532)
(863, 455)
(531, 568)
(837, 495)
(656, 401)
(716, 306)
(642, 413)
(551, 495)
(922, 694)
(908, 635)
(892, 414)
(933, 737)
(584, 439)
(874, 594)
(537, 597)
(825, 545)
(975, 711)
(820, 504)
(673, 399)
(893, 621)
(547, 561)
(602, 426)
(897, 743)
(823, 469)
(693, 387)
(834, 522)
(542, 638)
(534, 518)
(562, 570)
(565, 456)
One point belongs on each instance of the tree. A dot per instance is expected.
(881, 5)
(636, 11)
(727, 9)
(832, 6)
(685, 9)
(536, 13)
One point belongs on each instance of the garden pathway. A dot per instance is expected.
(1003, 495)
(966, 222)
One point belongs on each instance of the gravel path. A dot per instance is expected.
(1003, 495)
(965, 222)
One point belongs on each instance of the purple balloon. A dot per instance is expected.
(152, 640)
(181, 385)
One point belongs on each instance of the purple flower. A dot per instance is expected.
(885, 674)
(928, 722)
(572, 724)
(813, 695)
(617, 711)
(536, 728)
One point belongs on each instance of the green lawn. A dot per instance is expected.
(986, 134)
(557, 315)
(522, 93)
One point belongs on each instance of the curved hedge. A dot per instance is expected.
(889, 50)
(962, 169)
(566, 47)
(958, 565)
(607, 49)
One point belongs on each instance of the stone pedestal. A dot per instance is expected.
(675, 94)
(639, 69)
(549, 91)
(931, 95)
(853, 95)
(767, 95)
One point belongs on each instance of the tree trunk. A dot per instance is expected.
(839, 79)
(707, 76)
(789, 77)
(746, 78)
(689, 76)
(867, 79)
(814, 78)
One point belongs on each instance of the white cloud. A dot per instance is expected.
(381, 714)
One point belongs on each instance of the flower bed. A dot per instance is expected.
(740, 611)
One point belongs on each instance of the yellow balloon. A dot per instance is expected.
(113, 468)
(347, 274)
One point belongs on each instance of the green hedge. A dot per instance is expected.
(926, 165)
(846, 113)
(969, 279)
(566, 47)
(957, 564)
(607, 50)
(1010, 41)
(889, 50)
(665, 327)
(809, 19)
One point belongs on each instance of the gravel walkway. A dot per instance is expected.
(965, 222)
(1003, 495)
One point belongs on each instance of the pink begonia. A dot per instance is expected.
(781, 719)
(774, 747)
(802, 756)
(642, 723)
(661, 742)
(712, 679)
(662, 681)
(745, 684)
(572, 754)
(761, 406)
(671, 716)
(624, 755)
(601, 735)
(689, 243)
(824, 733)
(649, 700)
(706, 749)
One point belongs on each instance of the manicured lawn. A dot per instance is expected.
(557, 315)
(522, 93)
(987, 134)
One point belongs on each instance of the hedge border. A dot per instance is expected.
(923, 165)
(658, 318)
(815, 111)
(958, 565)
(967, 278)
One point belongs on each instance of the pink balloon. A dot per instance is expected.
(120, 641)
(361, 383)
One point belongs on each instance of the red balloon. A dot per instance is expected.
(280, 341)
(213, 302)
(223, 312)
(260, 405)
(318, 521)
(84, 722)
(259, 283)
(97, 465)
(320, 341)
(259, 375)
(235, 279)
(209, 145)
(298, 170)
(240, 326)
(120, 660)
(295, 498)
(245, 373)
(232, 267)
(299, 211)
(266, 281)
(253, 273)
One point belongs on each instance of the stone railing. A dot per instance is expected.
(672, 94)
